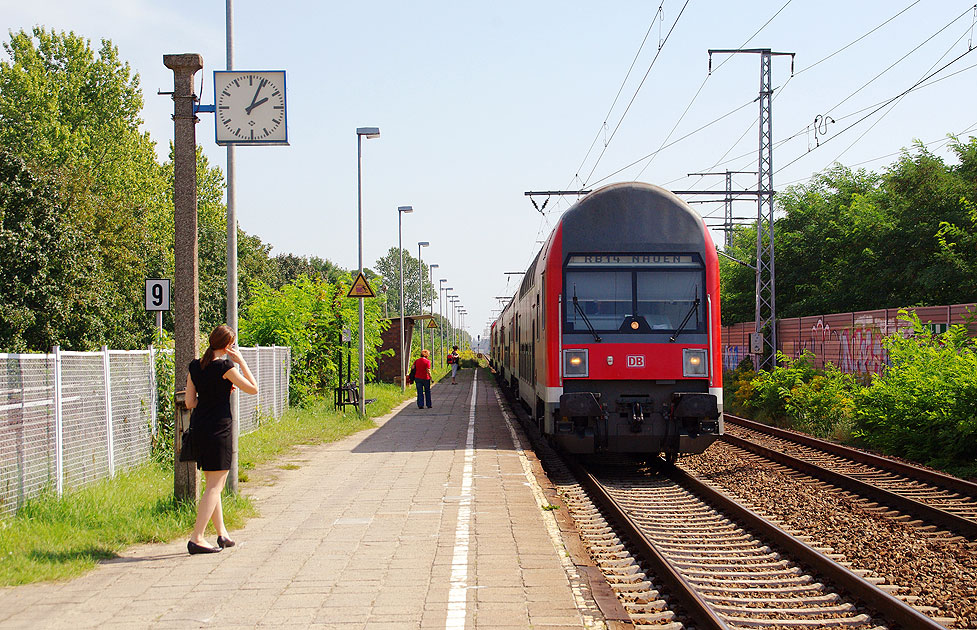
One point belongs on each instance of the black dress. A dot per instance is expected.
(211, 419)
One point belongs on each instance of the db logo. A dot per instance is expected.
(636, 361)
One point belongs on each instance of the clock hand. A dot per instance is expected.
(247, 110)
(255, 98)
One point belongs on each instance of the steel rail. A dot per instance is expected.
(891, 608)
(946, 481)
(697, 607)
(915, 508)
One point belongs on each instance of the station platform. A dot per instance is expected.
(434, 519)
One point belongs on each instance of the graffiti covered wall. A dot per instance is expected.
(851, 341)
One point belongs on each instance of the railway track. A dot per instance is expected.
(944, 501)
(679, 553)
(730, 568)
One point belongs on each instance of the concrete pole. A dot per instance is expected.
(232, 266)
(186, 312)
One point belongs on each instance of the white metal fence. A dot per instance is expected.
(70, 418)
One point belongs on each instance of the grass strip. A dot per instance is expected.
(54, 539)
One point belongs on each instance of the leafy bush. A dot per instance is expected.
(824, 405)
(738, 387)
(799, 396)
(924, 407)
(309, 316)
(162, 448)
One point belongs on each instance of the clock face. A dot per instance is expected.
(250, 107)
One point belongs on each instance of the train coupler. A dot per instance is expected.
(637, 417)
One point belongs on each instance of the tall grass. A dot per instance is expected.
(52, 538)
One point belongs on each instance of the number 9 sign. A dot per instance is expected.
(157, 294)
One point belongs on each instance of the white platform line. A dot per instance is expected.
(587, 620)
(458, 593)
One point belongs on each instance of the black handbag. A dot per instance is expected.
(411, 376)
(187, 453)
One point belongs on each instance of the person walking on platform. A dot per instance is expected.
(209, 384)
(453, 359)
(422, 379)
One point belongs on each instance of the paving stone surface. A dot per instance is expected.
(368, 532)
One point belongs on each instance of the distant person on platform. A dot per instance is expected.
(422, 379)
(453, 359)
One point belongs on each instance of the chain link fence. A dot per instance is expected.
(68, 419)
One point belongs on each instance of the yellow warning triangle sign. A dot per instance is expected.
(361, 288)
(432, 324)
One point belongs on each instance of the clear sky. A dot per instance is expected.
(479, 102)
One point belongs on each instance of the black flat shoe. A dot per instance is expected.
(194, 548)
(224, 543)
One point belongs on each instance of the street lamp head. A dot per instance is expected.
(405, 209)
(422, 243)
(369, 132)
(434, 265)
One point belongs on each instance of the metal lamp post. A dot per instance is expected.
(368, 132)
(450, 316)
(420, 286)
(430, 275)
(401, 211)
(441, 318)
(447, 315)
(454, 308)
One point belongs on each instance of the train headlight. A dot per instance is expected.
(575, 363)
(694, 363)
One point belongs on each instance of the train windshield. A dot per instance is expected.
(662, 298)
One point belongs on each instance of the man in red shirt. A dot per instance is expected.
(422, 379)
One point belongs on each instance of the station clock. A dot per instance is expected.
(250, 107)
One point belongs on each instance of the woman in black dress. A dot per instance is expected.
(209, 384)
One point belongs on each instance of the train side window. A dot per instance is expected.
(537, 317)
(542, 291)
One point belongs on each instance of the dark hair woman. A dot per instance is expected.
(209, 384)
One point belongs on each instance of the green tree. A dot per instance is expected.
(44, 257)
(388, 269)
(854, 240)
(74, 115)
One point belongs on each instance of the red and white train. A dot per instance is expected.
(612, 340)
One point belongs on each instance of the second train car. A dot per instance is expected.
(612, 339)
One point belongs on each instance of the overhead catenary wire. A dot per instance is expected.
(877, 109)
(685, 137)
(840, 118)
(722, 160)
(636, 91)
(902, 96)
(702, 85)
(576, 176)
(659, 16)
(855, 41)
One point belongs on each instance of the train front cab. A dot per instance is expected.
(634, 361)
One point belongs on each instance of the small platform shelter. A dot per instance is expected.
(389, 368)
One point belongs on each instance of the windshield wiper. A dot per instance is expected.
(584, 316)
(695, 307)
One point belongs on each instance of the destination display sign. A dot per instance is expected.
(631, 260)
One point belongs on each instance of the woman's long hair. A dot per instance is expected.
(222, 337)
